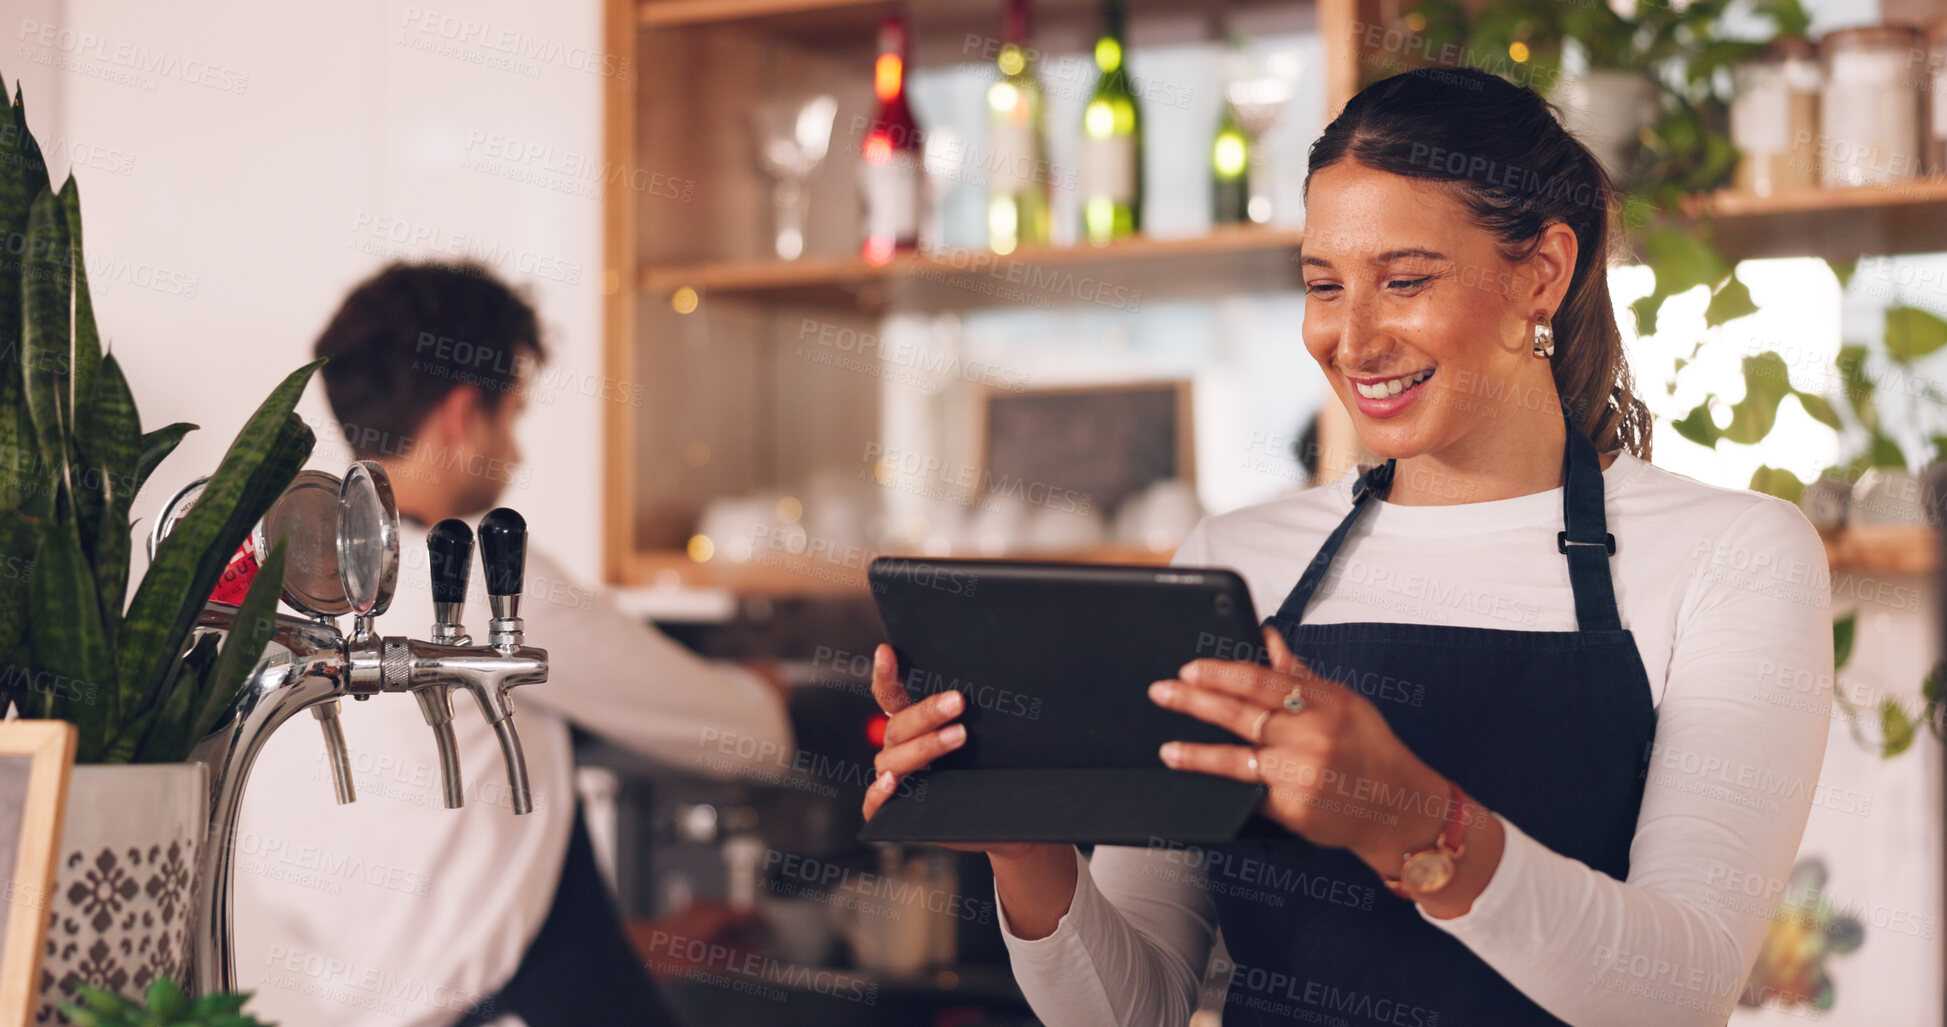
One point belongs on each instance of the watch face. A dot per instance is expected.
(1426, 872)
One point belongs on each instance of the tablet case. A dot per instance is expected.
(1055, 662)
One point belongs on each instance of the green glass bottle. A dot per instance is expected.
(1230, 171)
(1112, 152)
(1017, 193)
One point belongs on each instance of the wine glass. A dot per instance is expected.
(1259, 81)
(944, 157)
(792, 137)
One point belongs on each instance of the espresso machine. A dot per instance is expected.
(342, 557)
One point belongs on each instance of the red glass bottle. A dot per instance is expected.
(890, 168)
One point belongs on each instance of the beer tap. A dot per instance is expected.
(488, 672)
(309, 664)
(449, 549)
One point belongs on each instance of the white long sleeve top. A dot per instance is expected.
(1728, 595)
(394, 911)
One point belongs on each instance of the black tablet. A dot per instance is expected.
(1055, 662)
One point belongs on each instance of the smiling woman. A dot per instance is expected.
(1490, 224)
(1583, 746)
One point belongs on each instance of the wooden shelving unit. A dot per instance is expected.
(701, 63)
(1839, 224)
(780, 575)
(1230, 260)
(1871, 549)
(1882, 549)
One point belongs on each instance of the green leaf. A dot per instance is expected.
(259, 465)
(113, 431)
(1776, 481)
(1788, 17)
(69, 641)
(1912, 333)
(255, 622)
(1697, 426)
(86, 341)
(220, 1003)
(166, 999)
(1884, 452)
(1766, 383)
(19, 539)
(1645, 310)
(156, 447)
(102, 1001)
(1818, 409)
(1896, 729)
(1682, 261)
(23, 175)
(1843, 631)
(1851, 363)
(1729, 303)
(45, 339)
(163, 734)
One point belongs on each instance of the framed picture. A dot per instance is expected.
(35, 757)
(1106, 442)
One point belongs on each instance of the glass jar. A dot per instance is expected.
(1775, 118)
(1870, 106)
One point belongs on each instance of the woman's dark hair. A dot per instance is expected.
(1516, 169)
(408, 335)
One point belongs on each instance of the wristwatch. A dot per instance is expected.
(1429, 869)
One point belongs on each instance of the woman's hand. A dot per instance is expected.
(1337, 774)
(917, 734)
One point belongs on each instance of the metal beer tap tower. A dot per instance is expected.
(309, 664)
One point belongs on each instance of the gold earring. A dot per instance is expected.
(1544, 338)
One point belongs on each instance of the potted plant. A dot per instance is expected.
(164, 1005)
(73, 644)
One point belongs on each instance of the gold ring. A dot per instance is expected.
(1257, 726)
(1294, 700)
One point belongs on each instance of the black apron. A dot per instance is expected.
(581, 968)
(1551, 729)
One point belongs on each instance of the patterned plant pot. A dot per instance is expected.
(124, 899)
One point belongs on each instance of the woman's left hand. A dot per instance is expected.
(1336, 773)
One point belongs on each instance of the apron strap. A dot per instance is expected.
(1585, 541)
(1375, 481)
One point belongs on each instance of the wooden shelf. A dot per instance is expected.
(778, 574)
(855, 21)
(1882, 549)
(671, 13)
(1122, 275)
(1834, 223)
(1839, 224)
(1869, 549)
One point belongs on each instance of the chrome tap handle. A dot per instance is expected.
(334, 736)
(449, 548)
(503, 556)
(503, 551)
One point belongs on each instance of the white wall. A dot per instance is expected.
(242, 165)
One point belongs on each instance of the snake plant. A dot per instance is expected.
(73, 456)
(165, 1005)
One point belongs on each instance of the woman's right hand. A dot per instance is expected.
(917, 734)
(1036, 880)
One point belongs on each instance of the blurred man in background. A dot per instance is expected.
(393, 910)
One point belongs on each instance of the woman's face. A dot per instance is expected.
(1422, 327)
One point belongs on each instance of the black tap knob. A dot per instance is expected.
(449, 545)
(503, 551)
